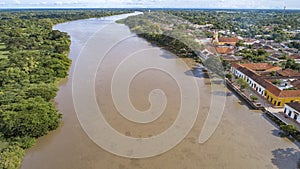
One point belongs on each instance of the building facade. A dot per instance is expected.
(293, 110)
(254, 75)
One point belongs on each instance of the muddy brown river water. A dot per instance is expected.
(244, 139)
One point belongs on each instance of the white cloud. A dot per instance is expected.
(58, 3)
(17, 1)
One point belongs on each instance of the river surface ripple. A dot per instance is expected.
(243, 140)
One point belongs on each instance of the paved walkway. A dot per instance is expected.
(279, 113)
(260, 98)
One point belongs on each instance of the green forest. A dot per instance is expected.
(176, 41)
(33, 59)
(175, 31)
(270, 24)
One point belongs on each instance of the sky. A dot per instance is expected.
(253, 4)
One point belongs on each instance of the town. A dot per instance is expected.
(228, 79)
(270, 68)
(260, 57)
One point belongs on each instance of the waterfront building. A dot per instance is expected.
(278, 89)
(293, 110)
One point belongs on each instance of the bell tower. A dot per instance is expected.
(215, 38)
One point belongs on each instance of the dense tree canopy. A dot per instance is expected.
(270, 24)
(33, 58)
(174, 40)
(255, 56)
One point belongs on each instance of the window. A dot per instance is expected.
(278, 104)
(295, 116)
(275, 102)
(284, 111)
(290, 113)
(271, 100)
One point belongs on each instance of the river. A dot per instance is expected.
(244, 139)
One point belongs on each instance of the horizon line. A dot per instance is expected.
(24, 8)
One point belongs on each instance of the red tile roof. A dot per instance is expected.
(263, 82)
(251, 74)
(288, 73)
(289, 93)
(261, 67)
(282, 93)
(276, 68)
(225, 39)
(294, 105)
(296, 84)
(224, 50)
(273, 89)
(235, 65)
(294, 56)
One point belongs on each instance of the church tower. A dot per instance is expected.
(215, 38)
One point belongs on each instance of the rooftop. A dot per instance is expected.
(283, 93)
(245, 68)
(225, 39)
(296, 84)
(294, 56)
(261, 67)
(288, 73)
(294, 105)
(224, 50)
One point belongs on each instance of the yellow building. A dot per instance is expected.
(258, 77)
(280, 97)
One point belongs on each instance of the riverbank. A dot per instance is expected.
(156, 29)
(242, 96)
(240, 133)
(33, 61)
(162, 41)
(277, 118)
(30, 71)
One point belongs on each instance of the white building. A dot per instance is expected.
(292, 110)
(254, 81)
